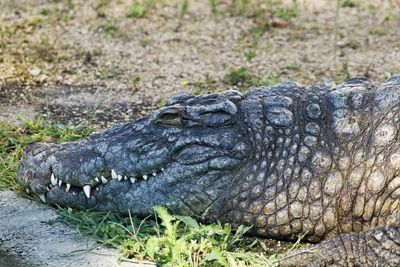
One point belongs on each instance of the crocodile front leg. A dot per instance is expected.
(378, 246)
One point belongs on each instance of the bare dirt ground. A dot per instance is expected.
(105, 61)
(67, 59)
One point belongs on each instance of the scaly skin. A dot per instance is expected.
(322, 161)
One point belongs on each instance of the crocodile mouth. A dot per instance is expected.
(98, 183)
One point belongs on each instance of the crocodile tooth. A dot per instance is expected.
(104, 180)
(48, 189)
(59, 183)
(125, 177)
(97, 189)
(133, 180)
(43, 198)
(86, 189)
(145, 177)
(97, 179)
(119, 177)
(162, 169)
(154, 174)
(53, 180)
(27, 190)
(114, 175)
(68, 187)
(73, 193)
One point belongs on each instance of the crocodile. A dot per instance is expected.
(321, 162)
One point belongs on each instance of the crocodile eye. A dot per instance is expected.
(169, 119)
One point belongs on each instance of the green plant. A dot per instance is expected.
(378, 31)
(237, 76)
(208, 85)
(44, 11)
(252, 42)
(249, 55)
(256, 34)
(10, 153)
(184, 7)
(346, 71)
(244, 78)
(110, 28)
(214, 9)
(372, 8)
(14, 139)
(161, 103)
(145, 41)
(108, 228)
(287, 14)
(291, 66)
(176, 241)
(136, 80)
(350, 3)
(139, 8)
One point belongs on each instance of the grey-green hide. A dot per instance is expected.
(322, 161)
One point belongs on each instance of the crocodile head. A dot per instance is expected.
(184, 155)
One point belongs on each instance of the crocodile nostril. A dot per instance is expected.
(37, 148)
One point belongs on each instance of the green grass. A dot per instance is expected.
(14, 139)
(286, 13)
(256, 9)
(350, 3)
(184, 7)
(10, 152)
(378, 31)
(214, 7)
(208, 85)
(252, 41)
(171, 240)
(166, 239)
(139, 8)
(244, 78)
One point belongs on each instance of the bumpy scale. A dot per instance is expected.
(323, 162)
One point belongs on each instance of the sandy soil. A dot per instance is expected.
(63, 60)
